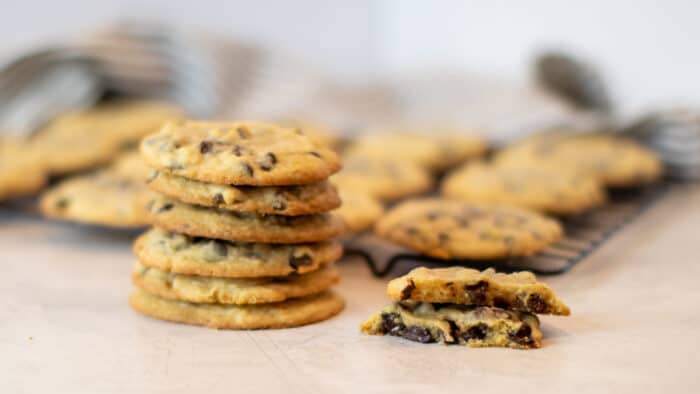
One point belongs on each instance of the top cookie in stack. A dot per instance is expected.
(247, 202)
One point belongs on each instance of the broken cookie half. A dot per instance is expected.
(442, 306)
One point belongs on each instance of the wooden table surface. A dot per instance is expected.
(65, 326)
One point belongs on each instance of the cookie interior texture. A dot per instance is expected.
(519, 291)
(476, 326)
(290, 313)
(546, 189)
(279, 200)
(453, 230)
(184, 254)
(207, 289)
(239, 153)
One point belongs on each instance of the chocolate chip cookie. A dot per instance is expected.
(234, 226)
(279, 200)
(90, 138)
(615, 161)
(458, 230)
(239, 153)
(475, 326)
(113, 197)
(436, 150)
(546, 189)
(183, 254)
(385, 179)
(207, 289)
(519, 291)
(359, 210)
(290, 313)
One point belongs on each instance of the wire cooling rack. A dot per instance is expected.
(584, 234)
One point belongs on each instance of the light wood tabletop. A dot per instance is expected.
(65, 325)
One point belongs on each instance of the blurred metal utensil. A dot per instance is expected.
(675, 136)
(573, 80)
(43, 84)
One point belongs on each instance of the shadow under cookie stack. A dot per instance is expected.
(242, 237)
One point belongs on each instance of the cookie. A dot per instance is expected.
(239, 153)
(217, 223)
(279, 200)
(291, 313)
(546, 189)
(21, 170)
(437, 150)
(182, 254)
(520, 291)
(458, 230)
(207, 289)
(475, 326)
(359, 210)
(615, 161)
(90, 138)
(382, 178)
(114, 197)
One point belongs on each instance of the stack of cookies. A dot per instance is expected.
(464, 306)
(242, 238)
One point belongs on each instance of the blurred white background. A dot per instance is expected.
(646, 49)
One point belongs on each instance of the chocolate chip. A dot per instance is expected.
(454, 331)
(237, 150)
(268, 161)
(300, 261)
(411, 230)
(220, 248)
(314, 153)
(62, 203)
(501, 303)
(478, 331)
(279, 205)
(432, 215)
(206, 147)
(477, 292)
(248, 169)
(218, 198)
(391, 324)
(522, 336)
(418, 334)
(443, 236)
(243, 132)
(406, 292)
(166, 207)
(536, 304)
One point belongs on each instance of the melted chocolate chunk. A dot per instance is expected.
(522, 336)
(454, 331)
(218, 198)
(206, 147)
(237, 150)
(501, 303)
(418, 334)
(248, 169)
(478, 331)
(314, 153)
(391, 324)
(299, 261)
(536, 304)
(268, 161)
(477, 292)
(406, 292)
(166, 207)
(443, 237)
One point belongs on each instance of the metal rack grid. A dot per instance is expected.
(584, 234)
